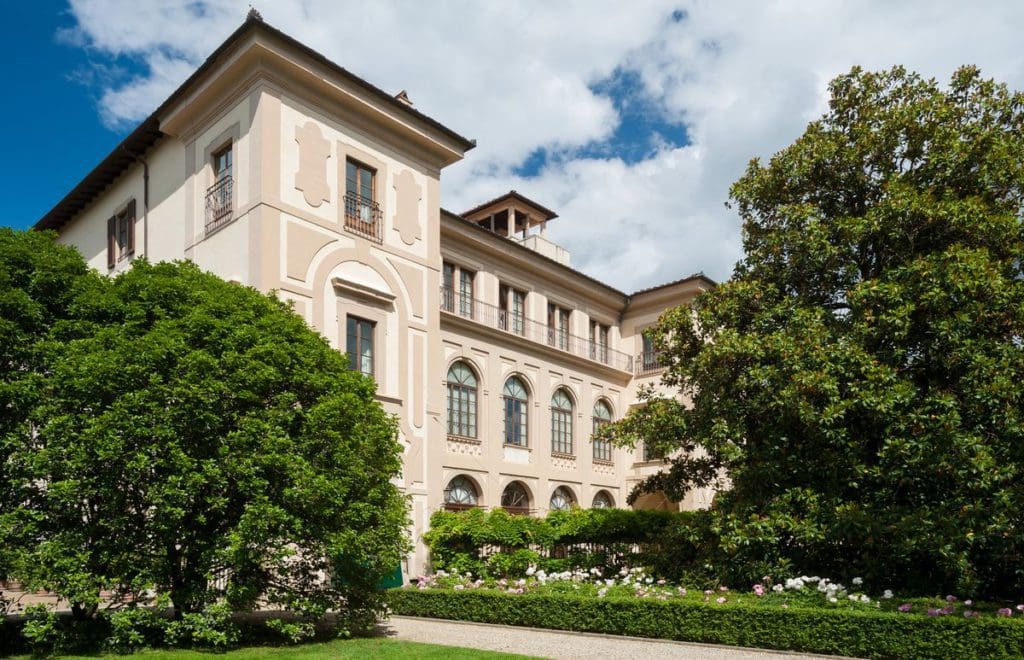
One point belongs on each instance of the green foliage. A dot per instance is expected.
(211, 628)
(41, 630)
(858, 379)
(839, 632)
(133, 628)
(195, 437)
(292, 632)
(456, 540)
(38, 281)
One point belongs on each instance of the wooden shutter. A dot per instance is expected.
(111, 241)
(130, 213)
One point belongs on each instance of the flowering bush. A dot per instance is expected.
(801, 592)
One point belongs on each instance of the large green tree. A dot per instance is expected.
(857, 387)
(38, 281)
(197, 438)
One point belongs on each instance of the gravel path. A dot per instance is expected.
(558, 644)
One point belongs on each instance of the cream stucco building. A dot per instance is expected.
(273, 167)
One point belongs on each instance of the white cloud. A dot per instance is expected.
(744, 77)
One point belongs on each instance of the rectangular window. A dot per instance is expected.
(466, 292)
(515, 422)
(602, 448)
(448, 287)
(558, 326)
(121, 235)
(512, 309)
(599, 341)
(649, 358)
(652, 453)
(359, 345)
(363, 214)
(219, 195)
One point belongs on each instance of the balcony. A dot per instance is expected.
(218, 204)
(649, 363)
(363, 216)
(517, 324)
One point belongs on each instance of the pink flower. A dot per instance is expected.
(661, 582)
(905, 607)
(1004, 611)
(933, 611)
(969, 614)
(950, 599)
(723, 588)
(759, 589)
(949, 609)
(720, 600)
(968, 602)
(682, 592)
(1020, 608)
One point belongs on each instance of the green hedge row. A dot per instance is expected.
(477, 527)
(860, 634)
(579, 538)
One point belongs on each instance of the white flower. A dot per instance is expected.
(858, 581)
(777, 588)
(887, 594)
(531, 570)
(649, 580)
(459, 587)
(832, 599)
(864, 598)
(602, 592)
(852, 597)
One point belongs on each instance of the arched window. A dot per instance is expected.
(562, 499)
(603, 500)
(460, 494)
(516, 401)
(602, 417)
(461, 401)
(561, 423)
(515, 498)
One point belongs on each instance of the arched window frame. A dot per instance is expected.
(462, 400)
(515, 399)
(562, 499)
(602, 448)
(515, 498)
(562, 409)
(461, 493)
(603, 500)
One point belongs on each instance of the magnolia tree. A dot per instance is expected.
(858, 380)
(196, 438)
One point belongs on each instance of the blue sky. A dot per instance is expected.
(56, 133)
(631, 120)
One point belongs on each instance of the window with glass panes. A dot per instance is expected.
(561, 423)
(512, 305)
(359, 182)
(359, 345)
(602, 417)
(461, 401)
(562, 499)
(599, 341)
(558, 326)
(448, 287)
(515, 400)
(466, 292)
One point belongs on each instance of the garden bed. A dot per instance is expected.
(818, 619)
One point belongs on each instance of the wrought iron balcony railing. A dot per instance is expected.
(218, 203)
(465, 306)
(649, 363)
(363, 216)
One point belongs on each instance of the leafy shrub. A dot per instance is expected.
(135, 628)
(842, 632)
(42, 630)
(211, 628)
(579, 538)
(292, 632)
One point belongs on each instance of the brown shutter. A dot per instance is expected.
(130, 212)
(111, 241)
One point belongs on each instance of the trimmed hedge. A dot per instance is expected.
(838, 632)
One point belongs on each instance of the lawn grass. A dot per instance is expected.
(376, 647)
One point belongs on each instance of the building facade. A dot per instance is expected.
(275, 168)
